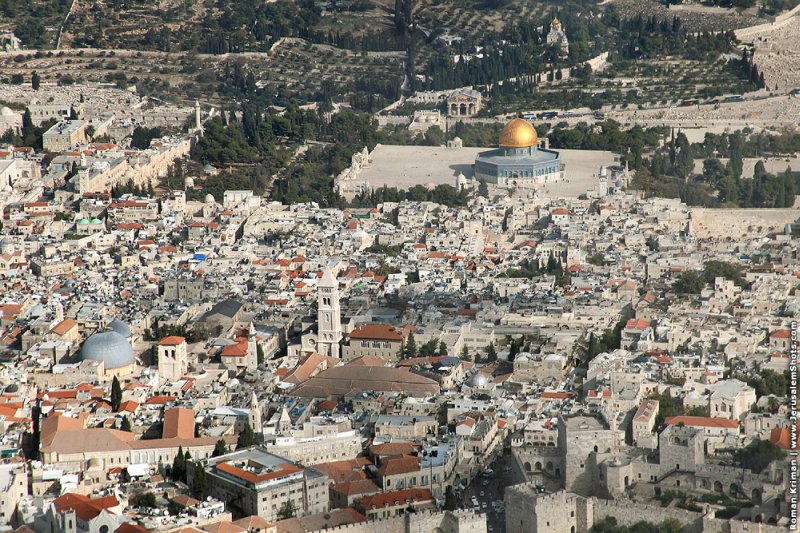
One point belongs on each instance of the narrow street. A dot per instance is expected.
(488, 490)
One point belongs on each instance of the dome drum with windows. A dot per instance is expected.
(519, 161)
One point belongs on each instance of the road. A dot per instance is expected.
(491, 489)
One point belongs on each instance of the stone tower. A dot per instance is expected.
(284, 422)
(198, 124)
(252, 348)
(255, 414)
(329, 319)
(172, 358)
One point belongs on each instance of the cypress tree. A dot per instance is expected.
(116, 394)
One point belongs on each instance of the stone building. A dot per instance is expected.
(581, 439)
(172, 358)
(65, 135)
(465, 102)
(375, 340)
(557, 37)
(256, 482)
(538, 367)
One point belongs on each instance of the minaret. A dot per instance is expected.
(254, 418)
(198, 125)
(329, 319)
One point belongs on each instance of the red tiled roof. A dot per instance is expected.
(285, 470)
(86, 508)
(781, 334)
(178, 423)
(637, 324)
(399, 465)
(172, 340)
(160, 400)
(376, 331)
(782, 437)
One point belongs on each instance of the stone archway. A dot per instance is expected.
(718, 486)
(755, 496)
(538, 466)
(462, 110)
(733, 490)
(527, 466)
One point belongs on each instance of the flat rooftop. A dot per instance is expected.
(584, 423)
(406, 166)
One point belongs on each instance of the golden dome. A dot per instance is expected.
(518, 133)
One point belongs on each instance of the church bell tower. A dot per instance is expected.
(329, 318)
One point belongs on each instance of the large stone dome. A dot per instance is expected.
(120, 327)
(518, 133)
(110, 347)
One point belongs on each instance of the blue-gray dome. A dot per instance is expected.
(109, 347)
(120, 327)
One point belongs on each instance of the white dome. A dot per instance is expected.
(210, 199)
(6, 111)
(188, 182)
(109, 347)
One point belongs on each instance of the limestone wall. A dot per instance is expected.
(628, 513)
(780, 20)
(718, 525)
(460, 521)
(738, 223)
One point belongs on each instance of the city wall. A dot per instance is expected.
(780, 21)
(736, 223)
(461, 521)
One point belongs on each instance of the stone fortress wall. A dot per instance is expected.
(565, 512)
(781, 20)
(459, 521)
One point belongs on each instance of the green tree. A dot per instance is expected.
(684, 162)
(491, 353)
(450, 502)
(199, 481)
(465, 356)
(429, 348)
(442, 348)
(690, 282)
(178, 472)
(434, 136)
(513, 349)
(116, 394)
(144, 499)
(36, 420)
(759, 454)
(220, 448)
(259, 354)
(247, 437)
(483, 189)
(287, 510)
(410, 348)
(36, 81)
(125, 425)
